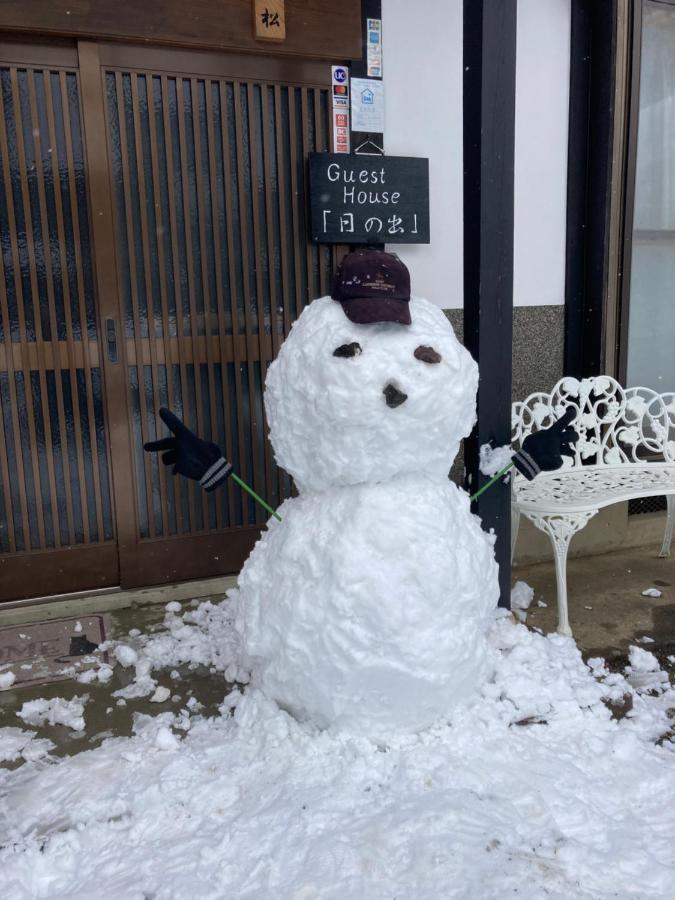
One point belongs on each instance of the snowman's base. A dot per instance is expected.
(367, 608)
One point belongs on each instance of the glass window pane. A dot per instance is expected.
(651, 330)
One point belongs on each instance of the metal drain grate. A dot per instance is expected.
(646, 505)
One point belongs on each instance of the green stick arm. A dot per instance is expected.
(489, 483)
(242, 484)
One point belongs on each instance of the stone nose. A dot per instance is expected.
(393, 396)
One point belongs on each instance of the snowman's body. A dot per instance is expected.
(367, 606)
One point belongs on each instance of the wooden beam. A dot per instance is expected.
(320, 29)
(489, 125)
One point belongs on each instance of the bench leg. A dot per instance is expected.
(561, 528)
(668, 535)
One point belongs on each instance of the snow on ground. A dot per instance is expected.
(531, 789)
(56, 711)
(16, 743)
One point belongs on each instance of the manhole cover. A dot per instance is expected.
(48, 651)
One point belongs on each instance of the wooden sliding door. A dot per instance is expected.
(57, 527)
(155, 252)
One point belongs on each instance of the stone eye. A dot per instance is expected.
(347, 350)
(427, 354)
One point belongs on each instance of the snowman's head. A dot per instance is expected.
(350, 403)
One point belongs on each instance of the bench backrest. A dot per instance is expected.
(616, 425)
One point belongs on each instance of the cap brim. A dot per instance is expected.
(368, 310)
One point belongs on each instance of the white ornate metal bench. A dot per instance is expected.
(626, 449)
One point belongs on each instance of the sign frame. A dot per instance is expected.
(363, 199)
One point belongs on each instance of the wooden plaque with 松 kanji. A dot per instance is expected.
(270, 20)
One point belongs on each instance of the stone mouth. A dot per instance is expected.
(393, 396)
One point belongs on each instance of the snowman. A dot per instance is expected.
(366, 607)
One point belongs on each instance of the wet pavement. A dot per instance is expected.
(607, 608)
(105, 715)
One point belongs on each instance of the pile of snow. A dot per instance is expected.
(532, 788)
(15, 743)
(56, 711)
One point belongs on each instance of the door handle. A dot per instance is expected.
(111, 339)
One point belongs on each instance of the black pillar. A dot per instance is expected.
(589, 188)
(489, 120)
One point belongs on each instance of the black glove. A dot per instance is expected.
(544, 450)
(189, 455)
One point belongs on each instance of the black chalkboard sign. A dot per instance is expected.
(369, 199)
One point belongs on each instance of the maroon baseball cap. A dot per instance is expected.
(373, 286)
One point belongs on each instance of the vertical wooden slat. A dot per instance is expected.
(131, 244)
(162, 227)
(271, 208)
(65, 287)
(230, 190)
(175, 256)
(282, 173)
(53, 327)
(25, 199)
(272, 211)
(10, 511)
(309, 249)
(228, 493)
(203, 252)
(297, 238)
(243, 218)
(263, 475)
(82, 306)
(189, 252)
(149, 298)
(11, 373)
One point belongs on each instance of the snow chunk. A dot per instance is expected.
(642, 660)
(644, 672)
(494, 459)
(16, 743)
(522, 596)
(126, 655)
(165, 739)
(160, 695)
(56, 711)
(7, 679)
(173, 607)
(651, 592)
(102, 674)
